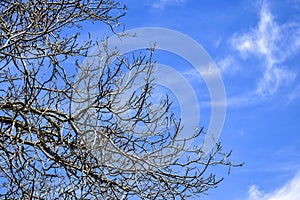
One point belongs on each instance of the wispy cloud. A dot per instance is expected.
(288, 191)
(161, 4)
(272, 43)
(228, 65)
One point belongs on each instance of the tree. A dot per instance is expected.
(61, 142)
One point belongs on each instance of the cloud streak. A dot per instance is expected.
(289, 191)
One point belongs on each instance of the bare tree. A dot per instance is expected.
(66, 131)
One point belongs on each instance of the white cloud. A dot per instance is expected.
(161, 4)
(272, 44)
(261, 41)
(254, 193)
(289, 191)
(273, 79)
(228, 65)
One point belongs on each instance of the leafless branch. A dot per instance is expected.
(66, 130)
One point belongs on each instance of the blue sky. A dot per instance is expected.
(256, 46)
